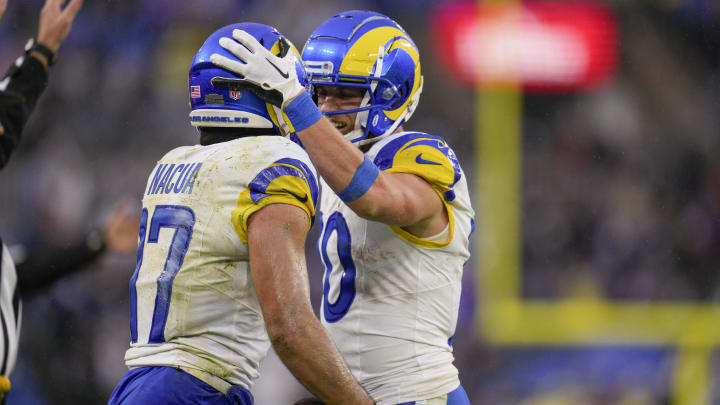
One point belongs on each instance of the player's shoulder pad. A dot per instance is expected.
(427, 156)
(299, 172)
(174, 154)
(268, 148)
(285, 181)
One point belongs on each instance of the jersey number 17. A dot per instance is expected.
(182, 219)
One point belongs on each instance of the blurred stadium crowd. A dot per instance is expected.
(621, 186)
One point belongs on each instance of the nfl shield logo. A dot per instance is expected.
(235, 94)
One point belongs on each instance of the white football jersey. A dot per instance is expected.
(192, 301)
(391, 299)
(10, 311)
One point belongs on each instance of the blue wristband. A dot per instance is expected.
(302, 112)
(361, 182)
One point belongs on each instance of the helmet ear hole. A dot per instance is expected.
(402, 91)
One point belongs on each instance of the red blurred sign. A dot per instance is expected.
(547, 46)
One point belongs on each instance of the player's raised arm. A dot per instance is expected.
(53, 27)
(27, 78)
(276, 239)
(400, 199)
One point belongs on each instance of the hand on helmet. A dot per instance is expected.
(272, 78)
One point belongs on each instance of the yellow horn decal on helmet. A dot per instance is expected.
(287, 129)
(410, 49)
(275, 49)
(363, 54)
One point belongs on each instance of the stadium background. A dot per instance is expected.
(594, 278)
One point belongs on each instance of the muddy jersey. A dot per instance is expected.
(391, 299)
(193, 303)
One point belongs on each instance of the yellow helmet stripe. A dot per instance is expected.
(363, 55)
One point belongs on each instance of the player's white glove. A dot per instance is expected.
(272, 78)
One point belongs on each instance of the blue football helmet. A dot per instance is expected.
(215, 98)
(368, 50)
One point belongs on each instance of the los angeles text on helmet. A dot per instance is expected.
(172, 178)
(205, 118)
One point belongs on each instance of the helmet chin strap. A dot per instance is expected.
(360, 129)
(361, 118)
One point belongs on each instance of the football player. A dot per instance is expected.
(396, 212)
(221, 271)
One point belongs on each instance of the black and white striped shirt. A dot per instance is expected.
(10, 312)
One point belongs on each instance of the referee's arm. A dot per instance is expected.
(42, 267)
(19, 91)
(27, 78)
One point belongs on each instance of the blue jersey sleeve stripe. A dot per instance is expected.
(440, 145)
(262, 181)
(284, 167)
(309, 176)
(384, 158)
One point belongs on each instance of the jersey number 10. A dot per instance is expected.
(334, 311)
